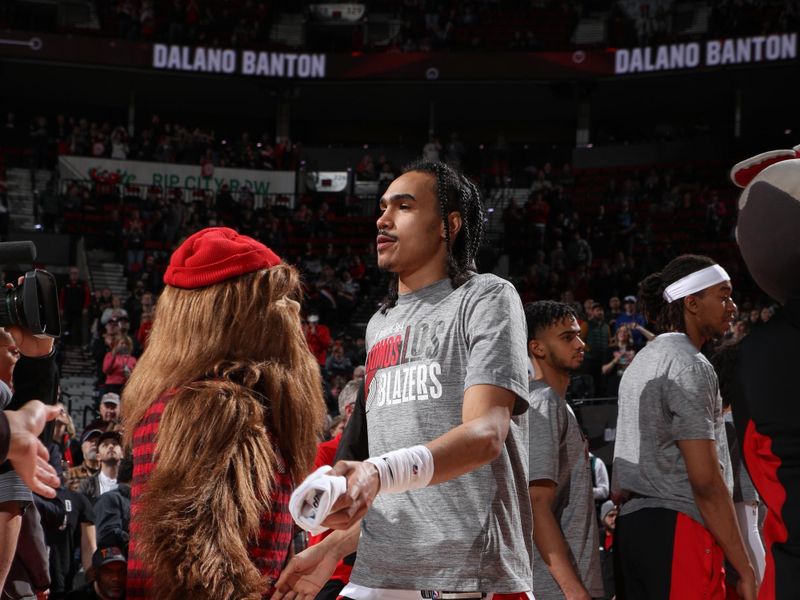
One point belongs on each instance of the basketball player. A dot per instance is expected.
(671, 462)
(446, 385)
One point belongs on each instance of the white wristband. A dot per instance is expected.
(405, 469)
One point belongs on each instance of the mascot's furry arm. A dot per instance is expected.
(215, 467)
(767, 412)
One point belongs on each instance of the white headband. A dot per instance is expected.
(694, 282)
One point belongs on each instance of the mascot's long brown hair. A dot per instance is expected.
(245, 392)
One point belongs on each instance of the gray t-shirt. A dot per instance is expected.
(11, 486)
(472, 533)
(558, 452)
(669, 393)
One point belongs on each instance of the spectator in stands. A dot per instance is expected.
(119, 144)
(338, 363)
(538, 213)
(39, 137)
(622, 354)
(109, 566)
(431, 150)
(125, 332)
(347, 399)
(599, 479)
(95, 312)
(614, 311)
(134, 238)
(454, 151)
(109, 453)
(318, 337)
(90, 465)
(113, 510)
(59, 448)
(365, 169)
(597, 338)
(740, 329)
(109, 413)
(74, 300)
(133, 305)
(608, 520)
(635, 322)
(347, 298)
(358, 352)
(542, 184)
(579, 253)
(765, 315)
(151, 274)
(103, 345)
(115, 310)
(625, 228)
(146, 324)
(558, 258)
(69, 530)
(118, 364)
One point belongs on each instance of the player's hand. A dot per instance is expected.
(306, 573)
(363, 483)
(29, 344)
(747, 586)
(27, 454)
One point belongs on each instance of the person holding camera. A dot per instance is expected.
(118, 364)
(25, 459)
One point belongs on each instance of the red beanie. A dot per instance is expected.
(216, 254)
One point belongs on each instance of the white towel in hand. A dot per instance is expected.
(313, 499)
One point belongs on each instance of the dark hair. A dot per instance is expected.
(544, 313)
(668, 316)
(455, 192)
(125, 471)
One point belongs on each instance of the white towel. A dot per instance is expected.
(313, 499)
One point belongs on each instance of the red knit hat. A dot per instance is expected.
(216, 254)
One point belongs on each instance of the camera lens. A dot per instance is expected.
(11, 308)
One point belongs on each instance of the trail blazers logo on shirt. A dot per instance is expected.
(401, 366)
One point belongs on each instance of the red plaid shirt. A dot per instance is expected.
(269, 554)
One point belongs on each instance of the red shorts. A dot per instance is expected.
(662, 554)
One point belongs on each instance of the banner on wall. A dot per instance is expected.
(701, 55)
(761, 50)
(168, 175)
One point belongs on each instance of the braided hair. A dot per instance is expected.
(455, 193)
(668, 316)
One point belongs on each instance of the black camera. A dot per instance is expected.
(33, 304)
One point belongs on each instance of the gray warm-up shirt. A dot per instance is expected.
(472, 533)
(669, 393)
(559, 454)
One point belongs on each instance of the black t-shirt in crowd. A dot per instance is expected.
(85, 593)
(66, 540)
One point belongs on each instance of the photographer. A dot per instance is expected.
(34, 376)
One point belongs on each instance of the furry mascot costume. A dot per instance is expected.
(767, 414)
(222, 412)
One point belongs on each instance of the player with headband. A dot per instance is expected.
(672, 470)
(446, 395)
